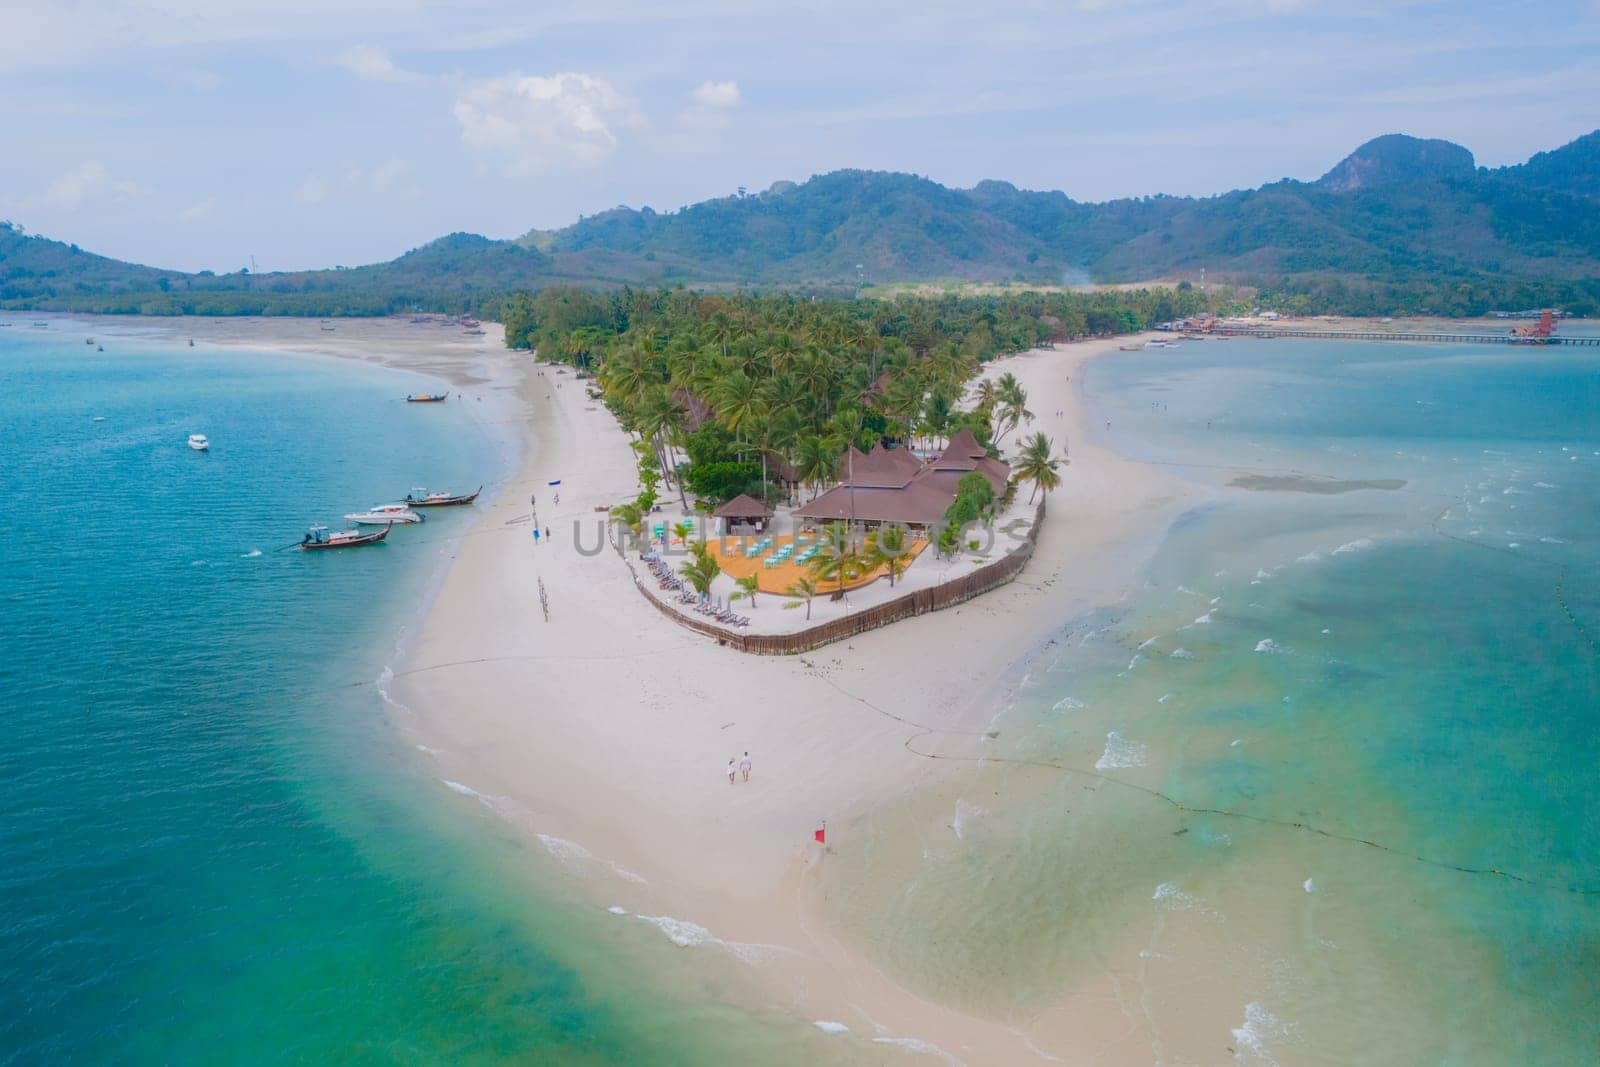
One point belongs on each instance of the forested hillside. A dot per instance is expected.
(1401, 224)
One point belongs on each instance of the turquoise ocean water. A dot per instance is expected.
(1379, 711)
(213, 847)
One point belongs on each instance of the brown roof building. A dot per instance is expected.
(743, 506)
(892, 485)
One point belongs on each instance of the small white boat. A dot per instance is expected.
(198, 442)
(383, 514)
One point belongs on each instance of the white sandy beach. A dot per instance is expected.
(610, 726)
(603, 733)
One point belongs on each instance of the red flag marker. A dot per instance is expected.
(821, 835)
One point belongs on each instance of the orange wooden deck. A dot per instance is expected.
(729, 552)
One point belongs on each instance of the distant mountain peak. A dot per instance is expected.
(1395, 158)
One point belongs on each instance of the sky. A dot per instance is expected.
(210, 134)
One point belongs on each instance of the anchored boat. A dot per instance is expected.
(383, 514)
(198, 442)
(426, 398)
(421, 498)
(318, 537)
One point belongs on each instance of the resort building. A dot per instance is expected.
(892, 485)
(743, 514)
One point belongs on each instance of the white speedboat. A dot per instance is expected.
(198, 442)
(383, 514)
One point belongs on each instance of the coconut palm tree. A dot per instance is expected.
(984, 396)
(629, 515)
(751, 584)
(804, 587)
(1036, 465)
(886, 547)
(1011, 406)
(816, 460)
(702, 569)
(737, 400)
(839, 555)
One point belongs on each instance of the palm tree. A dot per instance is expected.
(1011, 408)
(937, 416)
(887, 548)
(751, 584)
(984, 395)
(737, 401)
(804, 587)
(702, 570)
(838, 555)
(630, 515)
(1036, 465)
(816, 461)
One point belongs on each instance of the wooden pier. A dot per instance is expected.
(1384, 335)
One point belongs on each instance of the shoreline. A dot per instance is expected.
(604, 732)
(615, 772)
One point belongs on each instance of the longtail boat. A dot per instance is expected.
(318, 537)
(421, 498)
(426, 398)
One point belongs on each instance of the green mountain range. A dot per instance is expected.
(1399, 223)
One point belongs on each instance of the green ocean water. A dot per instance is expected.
(1328, 785)
(215, 848)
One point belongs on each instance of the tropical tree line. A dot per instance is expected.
(762, 394)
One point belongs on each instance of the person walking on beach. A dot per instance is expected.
(732, 769)
(744, 766)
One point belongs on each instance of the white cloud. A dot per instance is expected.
(717, 94)
(199, 210)
(84, 183)
(371, 63)
(313, 189)
(385, 178)
(543, 123)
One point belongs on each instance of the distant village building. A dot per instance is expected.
(892, 485)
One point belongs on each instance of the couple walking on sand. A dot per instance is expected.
(736, 766)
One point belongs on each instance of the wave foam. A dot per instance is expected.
(1260, 1026)
(467, 791)
(682, 932)
(1181, 653)
(1267, 644)
(564, 850)
(617, 911)
(252, 554)
(916, 1044)
(686, 934)
(964, 812)
(828, 1026)
(1120, 752)
(1068, 704)
(1170, 896)
(1360, 544)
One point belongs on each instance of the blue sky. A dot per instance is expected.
(306, 133)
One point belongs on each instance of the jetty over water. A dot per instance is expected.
(1386, 335)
